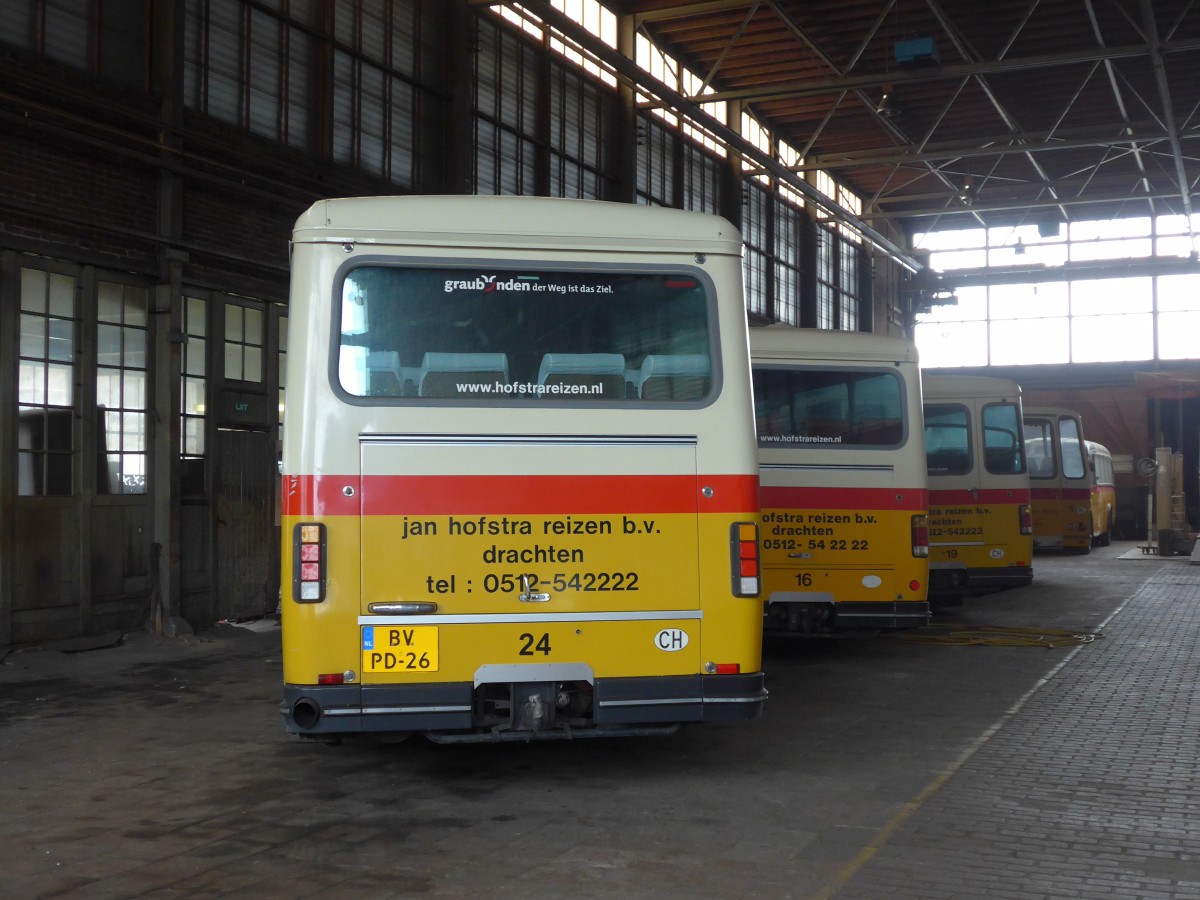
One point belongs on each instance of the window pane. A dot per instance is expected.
(528, 334)
(1030, 341)
(62, 296)
(194, 313)
(134, 386)
(1073, 465)
(1028, 301)
(136, 301)
(108, 302)
(1003, 448)
(1109, 338)
(108, 345)
(193, 397)
(233, 322)
(252, 370)
(948, 344)
(33, 291)
(947, 439)
(233, 361)
(108, 388)
(33, 336)
(254, 329)
(61, 345)
(821, 408)
(1177, 335)
(1116, 295)
(195, 351)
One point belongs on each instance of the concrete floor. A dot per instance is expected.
(883, 767)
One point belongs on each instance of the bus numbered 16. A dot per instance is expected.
(980, 522)
(1060, 486)
(519, 475)
(843, 486)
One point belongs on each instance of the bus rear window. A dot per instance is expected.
(483, 335)
(947, 440)
(820, 407)
(1003, 445)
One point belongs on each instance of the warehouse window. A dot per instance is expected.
(122, 330)
(46, 434)
(1058, 319)
(195, 377)
(104, 39)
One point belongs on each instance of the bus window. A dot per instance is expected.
(436, 333)
(1003, 448)
(947, 439)
(808, 406)
(1074, 464)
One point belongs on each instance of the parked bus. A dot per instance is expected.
(980, 522)
(519, 475)
(843, 486)
(1103, 491)
(1060, 493)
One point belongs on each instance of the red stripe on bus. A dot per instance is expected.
(774, 497)
(516, 495)
(1061, 494)
(966, 498)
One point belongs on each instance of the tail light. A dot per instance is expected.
(1025, 517)
(743, 547)
(309, 563)
(920, 536)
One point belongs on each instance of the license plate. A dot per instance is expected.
(399, 648)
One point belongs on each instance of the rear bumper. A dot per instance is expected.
(618, 703)
(796, 612)
(955, 581)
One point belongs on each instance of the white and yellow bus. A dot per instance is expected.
(980, 522)
(519, 474)
(842, 480)
(1103, 488)
(1060, 488)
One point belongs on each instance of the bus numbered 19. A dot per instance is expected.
(519, 475)
(1060, 488)
(980, 522)
(842, 480)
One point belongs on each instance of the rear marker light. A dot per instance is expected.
(744, 568)
(309, 562)
(920, 536)
(1026, 518)
(729, 668)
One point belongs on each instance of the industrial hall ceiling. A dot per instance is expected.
(960, 113)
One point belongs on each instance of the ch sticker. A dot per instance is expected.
(671, 639)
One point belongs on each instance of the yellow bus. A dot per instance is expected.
(842, 480)
(980, 522)
(519, 475)
(1102, 485)
(1060, 491)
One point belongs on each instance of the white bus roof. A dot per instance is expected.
(950, 386)
(502, 221)
(798, 344)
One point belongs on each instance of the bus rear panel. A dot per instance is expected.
(980, 521)
(1060, 488)
(520, 493)
(843, 486)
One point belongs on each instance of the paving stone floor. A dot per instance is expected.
(884, 767)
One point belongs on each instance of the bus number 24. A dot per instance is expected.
(529, 648)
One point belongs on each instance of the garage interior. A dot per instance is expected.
(157, 153)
